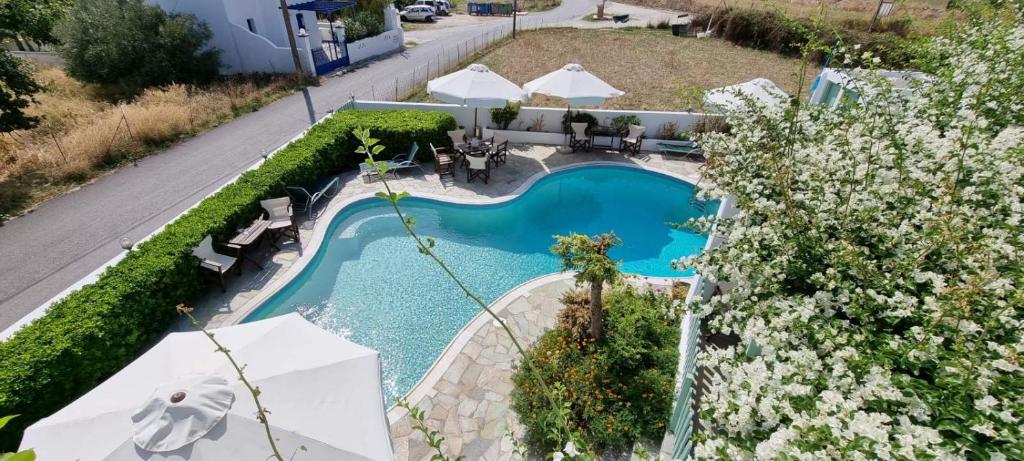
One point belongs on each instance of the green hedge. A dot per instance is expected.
(94, 332)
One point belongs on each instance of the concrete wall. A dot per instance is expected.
(552, 119)
(366, 48)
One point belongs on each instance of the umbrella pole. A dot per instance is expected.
(475, 111)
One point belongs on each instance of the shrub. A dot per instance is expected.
(92, 333)
(363, 24)
(773, 31)
(888, 318)
(504, 116)
(577, 117)
(623, 122)
(574, 318)
(617, 389)
(134, 45)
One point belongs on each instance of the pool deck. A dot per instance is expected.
(466, 392)
(526, 163)
(465, 395)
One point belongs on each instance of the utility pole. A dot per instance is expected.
(515, 8)
(291, 36)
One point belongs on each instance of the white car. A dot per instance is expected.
(417, 13)
(441, 7)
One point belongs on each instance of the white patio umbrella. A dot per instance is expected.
(574, 84)
(477, 87)
(183, 400)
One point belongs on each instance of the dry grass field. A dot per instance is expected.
(82, 133)
(656, 70)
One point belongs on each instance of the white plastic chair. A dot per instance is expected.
(279, 212)
(211, 260)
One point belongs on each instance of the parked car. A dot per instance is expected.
(441, 7)
(417, 13)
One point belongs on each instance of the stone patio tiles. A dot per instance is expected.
(466, 397)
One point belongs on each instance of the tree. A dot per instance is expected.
(588, 256)
(31, 19)
(135, 45)
(16, 90)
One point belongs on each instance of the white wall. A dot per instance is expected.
(366, 48)
(652, 120)
(241, 50)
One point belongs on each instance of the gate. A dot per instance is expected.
(330, 57)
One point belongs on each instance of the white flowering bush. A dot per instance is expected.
(877, 261)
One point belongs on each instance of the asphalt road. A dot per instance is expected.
(47, 251)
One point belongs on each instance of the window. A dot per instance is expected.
(252, 24)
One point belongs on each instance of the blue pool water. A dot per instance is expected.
(369, 284)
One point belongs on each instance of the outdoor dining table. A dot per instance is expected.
(474, 148)
(605, 132)
(249, 237)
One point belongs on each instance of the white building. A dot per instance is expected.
(252, 37)
(833, 86)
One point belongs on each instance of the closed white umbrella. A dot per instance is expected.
(477, 87)
(183, 400)
(574, 84)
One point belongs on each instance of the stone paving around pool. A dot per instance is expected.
(466, 394)
(524, 162)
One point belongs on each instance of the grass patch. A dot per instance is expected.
(82, 132)
(656, 70)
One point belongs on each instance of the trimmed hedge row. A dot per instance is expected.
(94, 332)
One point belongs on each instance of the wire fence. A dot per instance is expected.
(446, 60)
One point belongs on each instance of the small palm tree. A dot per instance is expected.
(588, 256)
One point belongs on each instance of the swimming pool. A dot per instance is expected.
(369, 284)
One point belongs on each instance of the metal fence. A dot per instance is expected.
(683, 415)
(448, 59)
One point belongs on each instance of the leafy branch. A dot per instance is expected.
(261, 412)
(434, 438)
(370, 147)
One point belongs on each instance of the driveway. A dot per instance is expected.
(45, 252)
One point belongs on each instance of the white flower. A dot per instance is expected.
(570, 449)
